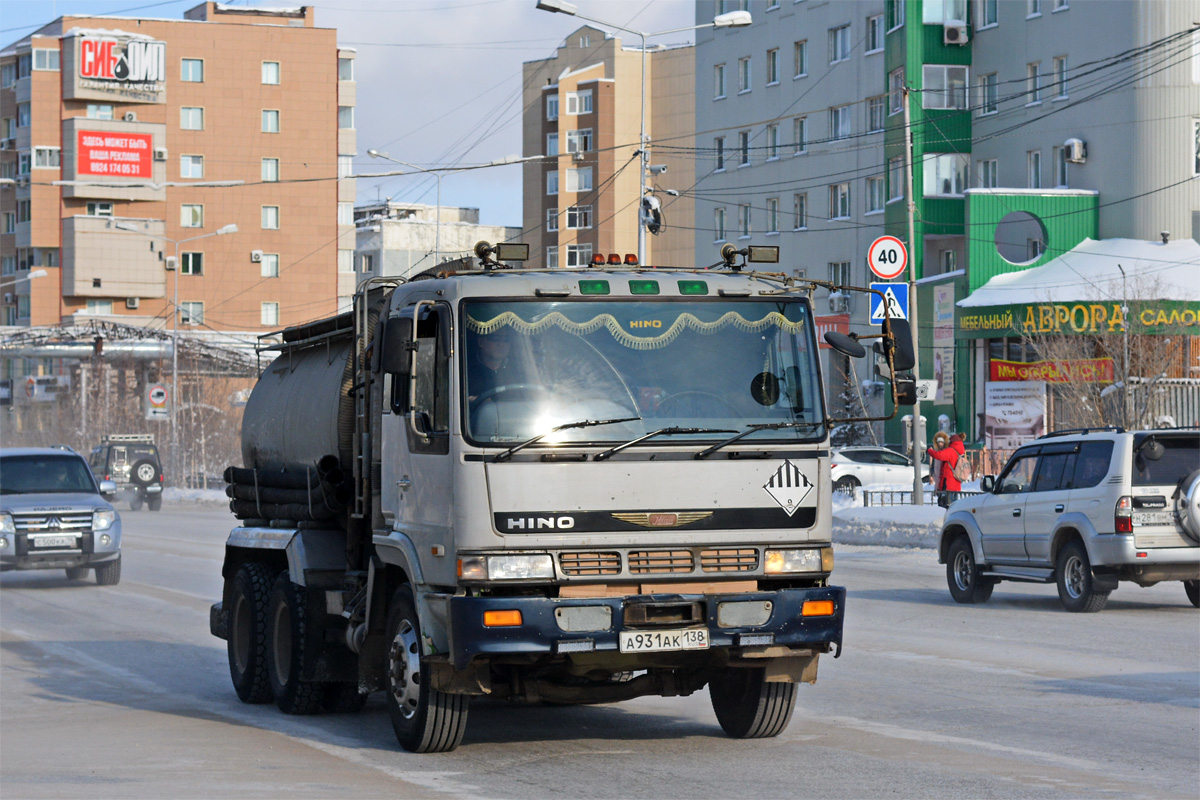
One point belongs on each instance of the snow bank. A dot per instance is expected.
(195, 497)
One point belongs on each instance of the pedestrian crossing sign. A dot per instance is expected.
(895, 295)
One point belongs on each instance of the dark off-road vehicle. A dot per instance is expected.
(131, 461)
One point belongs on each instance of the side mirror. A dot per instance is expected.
(988, 483)
(108, 489)
(906, 392)
(394, 340)
(903, 358)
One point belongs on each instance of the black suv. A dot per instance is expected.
(131, 461)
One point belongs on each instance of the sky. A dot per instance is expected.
(439, 81)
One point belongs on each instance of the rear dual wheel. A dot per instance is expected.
(286, 630)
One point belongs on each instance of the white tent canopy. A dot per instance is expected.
(1092, 271)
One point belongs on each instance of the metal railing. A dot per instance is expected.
(904, 498)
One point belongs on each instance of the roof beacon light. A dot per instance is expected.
(598, 260)
(631, 259)
(614, 258)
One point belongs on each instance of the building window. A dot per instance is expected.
(989, 95)
(552, 182)
(24, 162)
(98, 307)
(896, 91)
(551, 107)
(191, 70)
(191, 166)
(1034, 8)
(1061, 5)
(719, 149)
(1033, 163)
(269, 315)
(191, 118)
(772, 142)
(800, 134)
(744, 221)
(366, 264)
(270, 73)
(839, 122)
(744, 148)
(719, 225)
(579, 180)
(270, 120)
(551, 220)
(552, 257)
(772, 215)
(744, 75)
(839, 201)
(551, 144)
(579, 141)
(585, 41)
(939, 12)
(345, 260)
(46, 157)
(10, 222)
(269, 266)
(345, 69)
(989, 15)
(895, 13)
(875, 198)
(191, 313)
(191, 263)
(875, 34)
(1060, 76)
(800, 58)
(579, 255)
(772, 67)
(579, 102)
(839, 273)
(8, 75)
(1033, 82)
(270, 168)
(945, 174)
(270, 217)
(23, 210)
(346, 118)
(800, 212)
(100, 111)
(45, 59)
(191, 215)
(945, 86)
(100, 209)
(345, 213)
(718, 81)
(988, 170)
(876, 113)
(1060, 167)
(579, 217)
(839, 44)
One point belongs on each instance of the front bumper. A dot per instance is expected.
(16, 552)
(540, 633)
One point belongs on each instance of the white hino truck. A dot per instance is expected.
(564, 486)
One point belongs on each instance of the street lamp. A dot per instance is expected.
(129, 226)
(731, 19)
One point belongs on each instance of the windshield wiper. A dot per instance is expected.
(755, 428)
(660, 432)
(583, 423)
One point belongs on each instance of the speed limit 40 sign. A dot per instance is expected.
(887, 257)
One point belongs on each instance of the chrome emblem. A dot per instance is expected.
(663, 519)
(54, 523)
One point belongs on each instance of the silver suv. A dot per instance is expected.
(54, 515)
(1083, 509)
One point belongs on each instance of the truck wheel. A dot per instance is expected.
(425, 720)
(109, 573)
(247, 645)
(747, 706)
(1193, 592)
(154, 502)
(286, 624)
(1076, 587)
(962, 574)
(135, 502)
(343, 698)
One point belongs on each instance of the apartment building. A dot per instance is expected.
(201, 159)
(583, 110)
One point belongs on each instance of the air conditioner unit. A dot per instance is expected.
(160, 154)
(838, 303)
(22, 180)
(1076, 150)
(955, 32)
(256, 256)
(132, 302)
(171, 262)
(130, 116)
(578, 155)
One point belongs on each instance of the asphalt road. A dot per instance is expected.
(121, 692)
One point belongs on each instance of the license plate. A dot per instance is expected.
(1153, 518)
(657, 641)
(53, 541)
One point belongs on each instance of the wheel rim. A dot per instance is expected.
(964, 570)
(241, 633)
(146, 473)
(282, 644)
(1073, 577)
(404, 672)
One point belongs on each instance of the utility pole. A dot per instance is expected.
(1127, 406)
(918, 429)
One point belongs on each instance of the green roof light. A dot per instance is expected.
(693, 287)
(593, 287)
(643, 287)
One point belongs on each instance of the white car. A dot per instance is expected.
(872, 468)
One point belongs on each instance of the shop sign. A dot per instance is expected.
(117, 66)
(46, 388)
(1081, 370)
(1014, 413)
(114, 154)
(943, 342)
(1086, 318)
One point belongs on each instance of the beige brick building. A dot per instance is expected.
(130, 144)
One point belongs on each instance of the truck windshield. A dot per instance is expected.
(532, 365)
(44, 473)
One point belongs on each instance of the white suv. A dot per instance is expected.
(1085, 509)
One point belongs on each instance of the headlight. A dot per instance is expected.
(810, 559)
(103, 520)
(506, 568)
(6, 523)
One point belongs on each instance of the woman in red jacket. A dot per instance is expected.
(948, 457)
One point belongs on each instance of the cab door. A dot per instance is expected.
(1000, 515)
(1047, 499)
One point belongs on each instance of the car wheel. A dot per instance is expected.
(109, 573)
(1076, 586)
(144, 472)
(1193, 592)
(847, 484)
(963, 576)
(154, 502)
(135, 503)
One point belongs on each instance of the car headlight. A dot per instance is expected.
(103, 520)
(809, 559)
(506, 568)
(6, 523)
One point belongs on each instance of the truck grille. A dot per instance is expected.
(660, 561)
(590, 563)
(732, 560)
(55, 521)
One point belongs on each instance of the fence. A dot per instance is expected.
(904, 498)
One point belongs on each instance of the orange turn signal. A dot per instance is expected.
(817, 608)
(505, 619)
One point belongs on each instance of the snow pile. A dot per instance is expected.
(195, 497)
(897, 526)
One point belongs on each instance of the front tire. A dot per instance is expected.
(1076, 586)
(963, 576)
(247, 645)
(286, 624)
(109, 573)
(747, 706)
(1193, 592)
(425, 720)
